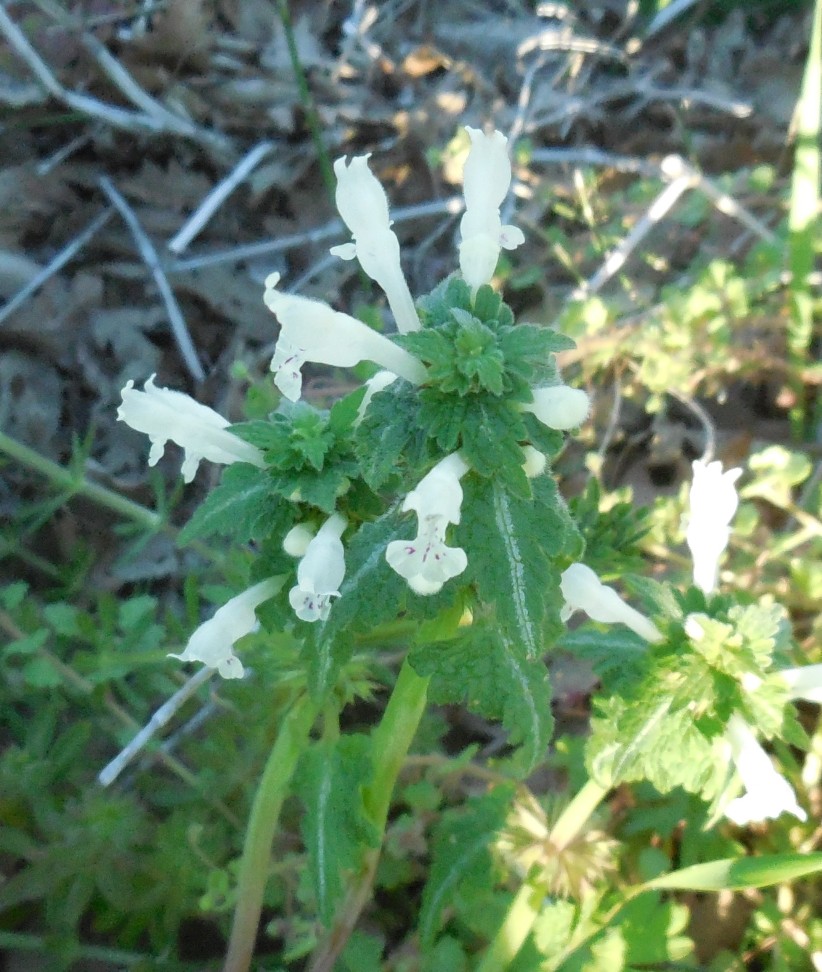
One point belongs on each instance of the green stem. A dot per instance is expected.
(265, 812)
(391, 742)
(393, 738)
(311, 114)
(76, 484)
(576, 815)
(524, 909)
(519, 920)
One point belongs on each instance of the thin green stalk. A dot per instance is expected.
(312, 116)
(78, 485)
(391, 742)
(576, 815)
(803, 220)
(525, 908)
(519, 920)
(265, 812)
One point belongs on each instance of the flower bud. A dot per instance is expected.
(559, 406)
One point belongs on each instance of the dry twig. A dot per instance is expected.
(179, 328)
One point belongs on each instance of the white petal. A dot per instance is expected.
(313, 331)
(584, 591)
(363, 205)
(426, 562)
(713, 503)
(486, 178)
(320, 572)
(439, 493)
(804, 682)
(213, 642)
(559, 406)
(768, 794)
(164, 414)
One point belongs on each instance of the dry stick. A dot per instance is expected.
(674, 165)
(152, 261)
(595, 156)
(217, 197)
(453, 206)
(158, 119)
(129, 88)
(616, 259)
(56, 264)
(112, 770)
(118, 117)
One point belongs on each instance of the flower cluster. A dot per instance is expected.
(488, 358)
(713, 502)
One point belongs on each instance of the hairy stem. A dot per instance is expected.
(265, 812)
(519, 920)
(391, 742)
(76, 484)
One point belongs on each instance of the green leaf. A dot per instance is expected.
(244, 506)
(511, 544)
(493, 677)
(737, 873)
(335, 827)
(461, 854)
(390, 430)
(490, 435)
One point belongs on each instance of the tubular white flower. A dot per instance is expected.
(804, 682)
(164, 414)
(320, 572)
(426, 562)
(584, 591)
(713, 502)
(559, 406)
(313, 331)
(213, 642)
(767, 793)
(486, 178)
(363, 205)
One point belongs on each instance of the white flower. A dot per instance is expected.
(320, 572)
(804, 682)
(584, 591)
(486, 178)
(313, 331)
(559, 406)
(767, 793)
(713, 502)
(164, 414)
(296, 541)
(213, 642)
(426, 562)
(363, 205)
